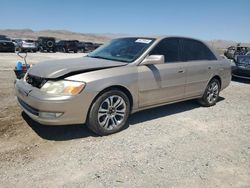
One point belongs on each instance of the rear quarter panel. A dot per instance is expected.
(224, 71)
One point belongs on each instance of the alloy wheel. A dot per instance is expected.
(111, 112)
(212, 92)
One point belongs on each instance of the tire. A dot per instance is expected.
(18, 49)
(211, 94)
(109, 113)
(50, 44)
(65, 50)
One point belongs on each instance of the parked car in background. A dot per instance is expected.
(27, 45)
(7, 46)
(89, 47)
(242, 66)
(2, 37)
(46, 44)
(81, 47)
(233, 51)
(123, 76)
(97, 45)
(14, 42)
(67, 46)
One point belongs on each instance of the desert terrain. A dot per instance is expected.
(177, 145)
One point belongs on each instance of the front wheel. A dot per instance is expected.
(211, 94)
(109, 113)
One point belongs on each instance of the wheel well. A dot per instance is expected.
(121, 88)
(218, 78)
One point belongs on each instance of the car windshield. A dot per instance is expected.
(124, 49)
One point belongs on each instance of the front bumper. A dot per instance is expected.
(74, 109)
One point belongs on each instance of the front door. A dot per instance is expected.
(163, 82)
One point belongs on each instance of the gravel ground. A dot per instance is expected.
(178, 145)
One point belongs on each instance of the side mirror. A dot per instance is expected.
(153, 59)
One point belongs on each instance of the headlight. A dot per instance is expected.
(63, 87)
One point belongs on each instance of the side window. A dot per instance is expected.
(195, 50)
(168, 47)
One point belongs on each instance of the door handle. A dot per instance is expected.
(181, 71)
(209, 68)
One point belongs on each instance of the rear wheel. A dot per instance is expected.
(109, 112)
(211, 94)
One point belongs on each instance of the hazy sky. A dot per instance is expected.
(210, 19)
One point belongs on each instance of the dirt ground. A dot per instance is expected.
(178, 145)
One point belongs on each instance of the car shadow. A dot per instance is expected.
(69, 132)
(58, 133)
(241, 80)
(166, 110)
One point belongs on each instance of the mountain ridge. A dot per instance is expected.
(92, 37)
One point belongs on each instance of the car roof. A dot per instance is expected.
(160, 37)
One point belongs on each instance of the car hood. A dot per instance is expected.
(66, 67)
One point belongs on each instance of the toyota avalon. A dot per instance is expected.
(121, 77)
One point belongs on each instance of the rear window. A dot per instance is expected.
(195, 50)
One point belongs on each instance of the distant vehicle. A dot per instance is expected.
(89, 46)
(242, 66)
(47, 44)
(232, 51)
(7, 46)
(14, 42)
(81, 47)
(3, 37)
(67, 46)
(97, 45)
(26, 45)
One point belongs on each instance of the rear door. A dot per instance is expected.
(163, 82)
(200, 64)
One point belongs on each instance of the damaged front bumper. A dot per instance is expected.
(52, 110)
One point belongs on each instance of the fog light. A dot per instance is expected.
(50, 115)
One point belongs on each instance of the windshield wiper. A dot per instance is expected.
(99, 57)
